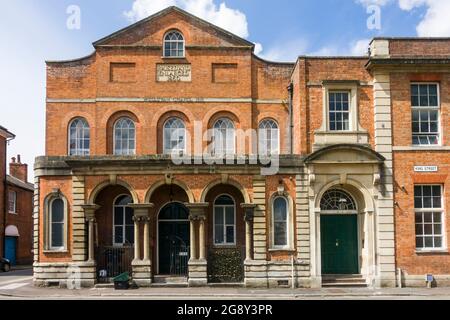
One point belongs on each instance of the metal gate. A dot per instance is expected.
(113, 261)
(179, 256)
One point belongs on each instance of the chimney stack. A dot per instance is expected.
(18, 170)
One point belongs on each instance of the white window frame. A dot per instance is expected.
(12, 195)
(288, 219)
(431, 211)
(165, 55)
(427, 108)
(225, 147)
(264, 141)
(78, 151)
(123, 225)
(181, 149)
(50, 224)
(130, 152)
(225, 243)
(348, 112)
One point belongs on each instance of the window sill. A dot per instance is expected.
(420, 148)
(225, 246)
(287, 250)
(14, 213)
(56, 251)
(432, 251)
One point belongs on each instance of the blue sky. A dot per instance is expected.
(33, 31)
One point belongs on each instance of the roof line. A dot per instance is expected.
(273, 62)
(164, 12)
(71, 60)
(5, 132)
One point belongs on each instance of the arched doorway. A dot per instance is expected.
(173, 239)
(339, 233)
(114, 232)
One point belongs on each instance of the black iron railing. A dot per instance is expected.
(113, 261)
(179, 258)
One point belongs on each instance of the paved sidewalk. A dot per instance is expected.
(27, 291)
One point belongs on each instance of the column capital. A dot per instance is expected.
(249, 211)
(141, 209)
(89, 211)
(197, 210)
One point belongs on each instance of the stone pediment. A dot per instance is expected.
(151, 30)
(345, 153)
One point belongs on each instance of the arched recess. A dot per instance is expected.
(161, 183)
(212, 117)
(290, 220)
(94, 193)
(231, 182)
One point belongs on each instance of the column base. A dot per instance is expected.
(198, 273)
(142, 272)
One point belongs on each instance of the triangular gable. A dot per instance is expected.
(139, 29)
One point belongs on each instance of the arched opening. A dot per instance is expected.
(339, 233)
(173, 239)
(114, 250)
(225, 233)
(171, 234)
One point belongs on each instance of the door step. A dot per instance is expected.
(344, 280)
(169, 281)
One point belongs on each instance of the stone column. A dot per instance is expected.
(142, 268)
(137, 247)
(202, 240)
(89, 215)
(249, 210)
(198, 275)
(193, 237)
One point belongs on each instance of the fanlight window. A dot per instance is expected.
(79, 138)
(337, 200)
(224, 137)
(174, 136)
(174, 45)
(268, 137)
(124, 137)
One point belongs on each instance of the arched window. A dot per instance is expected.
(280, 220)
(224, 137)
(123, 232)
(337, 200)
(79, 137)
(124, 137)
(174, 136)
(56, 224)
(224, 221)
(269, 137)
(173, 45)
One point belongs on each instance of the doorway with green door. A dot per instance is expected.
(339, 234)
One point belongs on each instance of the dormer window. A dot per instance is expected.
(173, 45)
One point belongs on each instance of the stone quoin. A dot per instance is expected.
(343, 207)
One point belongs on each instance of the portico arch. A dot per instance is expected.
(176, 182)
(231, 182)
(94, 193)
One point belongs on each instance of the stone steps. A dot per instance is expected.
(350, 280)
(169, 281)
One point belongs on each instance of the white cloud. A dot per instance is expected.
(286, 50)
(360, 47)
(229, 19)
(367, 3)
(436, 22)
(258, 48)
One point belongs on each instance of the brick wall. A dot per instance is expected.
(23, 220)
(419, 47)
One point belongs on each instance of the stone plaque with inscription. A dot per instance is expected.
(173, 73)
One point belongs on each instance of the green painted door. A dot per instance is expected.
(339, 244)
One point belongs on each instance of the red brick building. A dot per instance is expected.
(175, 153)
(16, 208)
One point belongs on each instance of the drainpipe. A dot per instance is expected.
(291, 118)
